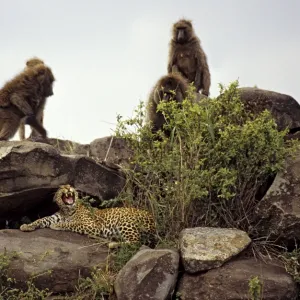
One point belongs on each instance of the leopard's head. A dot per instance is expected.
(66, 198)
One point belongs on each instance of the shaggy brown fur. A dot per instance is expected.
(164, 90)
(19, 97)
(39, 107)
(33, 62)
(187, 57)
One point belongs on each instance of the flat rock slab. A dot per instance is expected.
(65, 254)
(150, 274)
(231, 282)
(204, 248)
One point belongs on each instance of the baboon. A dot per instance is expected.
(187, 57)
(19, 97)
(39, 107)
(168, 88)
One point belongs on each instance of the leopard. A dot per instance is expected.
(119, 225)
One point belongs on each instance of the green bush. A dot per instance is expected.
(208, 171)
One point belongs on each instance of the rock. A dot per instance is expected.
(200, 97)
(70, 147)
(150, 274)
(112, 149)
(231, 281)
(278, 213)
(291, 136)
(31, 172)
(66, 254)
(204, 248)
(284, 108)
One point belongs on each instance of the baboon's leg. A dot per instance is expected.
(9, 124)
(30, 117)
(39, 117)
(22, 131)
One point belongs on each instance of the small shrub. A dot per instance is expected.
(208, 171)
(123, 255)
(8, 292)
(291, 261)
(255, 288)
(100, 284)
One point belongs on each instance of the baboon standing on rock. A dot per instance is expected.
(187, 57)
(170, 87)
(39, 106)
(19, 97)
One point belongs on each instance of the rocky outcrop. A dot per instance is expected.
(204, 248)
(150, 274)
(111, 149)
(31, 172)
(69, 147)
(56, 259)
(278, 213)
(284, 108)
(231, 282)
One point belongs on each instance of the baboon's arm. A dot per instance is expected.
(197, 81)
(39, 116)
(172, 61)
(40, 110)
(21, 104)
(202, 73)
(179, 96)
(175, 69)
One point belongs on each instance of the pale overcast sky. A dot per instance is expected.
(107, 55)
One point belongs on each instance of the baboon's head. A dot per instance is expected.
(172, 87)
(33, 62)
(45, 79)
(183, 31)
(48, 83)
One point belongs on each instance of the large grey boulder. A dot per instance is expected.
(231, 282)
(69, 147)
(278, 213)
(284, 108)
(31, 172)
(204, 248)
(111, 149)
(56, 259)
(150, 274)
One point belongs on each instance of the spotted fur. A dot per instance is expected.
(124, 224)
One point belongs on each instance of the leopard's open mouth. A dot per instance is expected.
(68, 198)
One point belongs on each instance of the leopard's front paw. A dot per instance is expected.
(27, 227)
